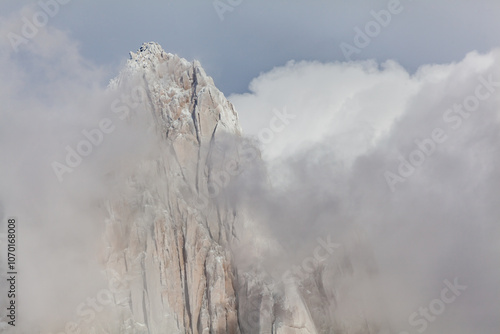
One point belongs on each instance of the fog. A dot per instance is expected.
(343, 164)
(52, 101)
(408, 160)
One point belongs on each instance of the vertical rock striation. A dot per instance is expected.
(170, 241)
(167, 238)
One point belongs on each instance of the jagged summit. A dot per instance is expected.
(181, 93)
(172, 242)
(151, 47)
(167, 239)
(151, 53)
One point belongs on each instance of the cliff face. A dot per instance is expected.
(169, 241)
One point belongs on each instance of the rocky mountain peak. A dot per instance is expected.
(172, 240)
(182, 95)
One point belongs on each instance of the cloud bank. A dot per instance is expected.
(53, 100)
(352, 123)
(411, 160)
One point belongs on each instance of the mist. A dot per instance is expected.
(408, 162)
(54, 103)
(341, 166)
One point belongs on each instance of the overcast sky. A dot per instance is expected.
(257, 35)
(351, 149)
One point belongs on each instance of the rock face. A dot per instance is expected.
(167, 239)
(169, 242)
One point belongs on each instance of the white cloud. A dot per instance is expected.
(354, 121)
(50, 94)
(347, 101)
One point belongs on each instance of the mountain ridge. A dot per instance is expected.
(176, 254)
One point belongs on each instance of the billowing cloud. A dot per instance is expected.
(411, 160)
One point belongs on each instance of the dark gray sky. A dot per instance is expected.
(258, 35)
